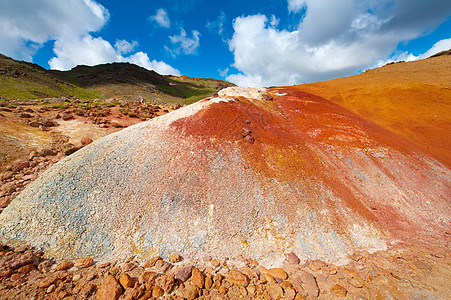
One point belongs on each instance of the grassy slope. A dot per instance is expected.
(130, 82)
(411, 99)
(20, 80)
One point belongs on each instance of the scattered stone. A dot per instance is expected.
(47, 152)
(151, 262)
(162, 266)
(174, 258)
(148, 277)
(310, 283)
(278, 273)
(22, 260)
(128, 266)
(51, 289)
(157, 291)
(67, 116)
(69, 148)
(110, 289)
(87, 290)
(20, 166)
(339, 291)
(274, 291)
(197, 278)
(166, 282)
(86, 141)
(64, 265)
(24, 115)
(238, 278)
(188, 291)
(222, 290)
(126, 281)
(26, 269)
(48, 281)
(5, 273)
(292, 258)
(184, 273)
(208, 282)
(84, 263)
(44, 266)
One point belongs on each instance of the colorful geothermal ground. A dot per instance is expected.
(253, 172)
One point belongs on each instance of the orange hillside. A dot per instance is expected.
(411, 99)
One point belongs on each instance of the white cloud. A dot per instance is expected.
(333, 39)
(125, 47)
(224, 72)
(184, 44)
(22, 22)
(141, 59)
(26, 26)
(92, 51)
(162, 18)
(295, 6)
(218, 24)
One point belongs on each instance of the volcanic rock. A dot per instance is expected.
(110, 289)
(189, 183)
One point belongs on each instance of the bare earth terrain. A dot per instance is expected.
(371, 152)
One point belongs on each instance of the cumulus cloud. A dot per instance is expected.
(333, 38)
(161, 18)
(23, 24)
(182, 44)
(91, 51)
(25, 27)
(125, 47)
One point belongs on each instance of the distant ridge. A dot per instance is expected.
(119, 81)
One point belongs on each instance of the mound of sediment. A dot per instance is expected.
(279, 171)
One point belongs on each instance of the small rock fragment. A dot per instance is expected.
(84, 263)
(110, 289)
(86, 141)
(278, 273)
(64, 265)
(197, 278)
(292, 258)
(339, 291)
(166, 282)
(174, 258)
(184, 273)
(126, 281)
(238, 278)
(157, 291)
(151, 262)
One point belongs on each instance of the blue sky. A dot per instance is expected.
(251, 43)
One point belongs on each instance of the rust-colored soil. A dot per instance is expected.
(412, 100)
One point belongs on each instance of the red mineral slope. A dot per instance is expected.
(251, 172)
(410, 99)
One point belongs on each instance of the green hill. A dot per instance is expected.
(22, 80)
(118, 81)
